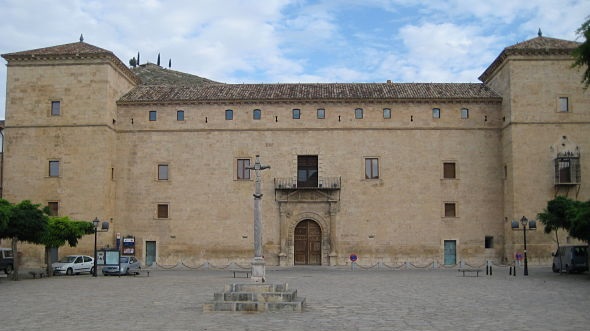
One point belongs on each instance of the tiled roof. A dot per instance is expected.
(152, 74)
(539, 46)
(66, 49)
(309, 92)
(75, 50)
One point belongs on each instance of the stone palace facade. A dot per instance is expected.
(391, 172)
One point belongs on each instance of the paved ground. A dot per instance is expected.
(337, 299)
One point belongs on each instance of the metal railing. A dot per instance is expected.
(324, 183)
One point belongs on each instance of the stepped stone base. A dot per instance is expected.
(256, 298)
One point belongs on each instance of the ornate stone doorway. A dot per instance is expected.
(308, 243)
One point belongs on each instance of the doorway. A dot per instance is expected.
(150, 252)
(308, 243)
(450, 257)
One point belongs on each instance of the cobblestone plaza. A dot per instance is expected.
(336, 299)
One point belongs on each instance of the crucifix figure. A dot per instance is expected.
(258, 264)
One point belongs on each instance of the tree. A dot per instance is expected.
(582, 53)
(580, 227)
(26, 222)
(133, 62)
(571, 215)
(62, 230)
(158, 59)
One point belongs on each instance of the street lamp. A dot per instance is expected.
(104, 228)
(532, 226)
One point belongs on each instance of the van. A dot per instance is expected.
(570, 259)
(6, 260)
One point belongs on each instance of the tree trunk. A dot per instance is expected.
(16, 259)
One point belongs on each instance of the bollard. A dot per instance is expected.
(487, 270)
(510, 271)
(490, 270)
(514, 271)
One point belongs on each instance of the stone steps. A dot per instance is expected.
(256, 298)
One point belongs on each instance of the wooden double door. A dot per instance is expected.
(308, 243)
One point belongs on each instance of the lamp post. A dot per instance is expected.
(524, 221)
(532, 225)
(104, 228)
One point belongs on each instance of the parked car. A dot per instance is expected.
(73, 264)
(570, 259)
(6, 260)
(127, 265)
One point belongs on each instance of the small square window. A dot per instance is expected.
(162, 172)
(371, 168)
(358, 113)
(229, 115)
(257, 114)
(464, 113)
(564, 104)
(489, 242)
(55, 108)
(53, 207)
(242, 171)
(321, 113)
(450, 209)
(180, 115)
(386, 113)
(296, 114)
(435, 112)
(153, 115)
(162, 210)
(449, 171)
(53, 168)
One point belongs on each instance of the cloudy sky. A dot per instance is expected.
(271, 41)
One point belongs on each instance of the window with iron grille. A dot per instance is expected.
(567, 170)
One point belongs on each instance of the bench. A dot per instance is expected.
(470, 271)
(40, 273)
(242, 272)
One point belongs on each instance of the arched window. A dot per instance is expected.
(229, 114)
(358, 113)
(464, 113)
(257, 114)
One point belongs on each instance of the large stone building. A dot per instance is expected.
(391, 172)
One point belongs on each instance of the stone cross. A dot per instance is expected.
(258, 264)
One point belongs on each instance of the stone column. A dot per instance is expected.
(258, 264)
(284, 233)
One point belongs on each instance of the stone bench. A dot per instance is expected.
(470, 271)
(247, 273)
(41, 274)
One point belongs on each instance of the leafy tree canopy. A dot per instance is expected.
(62, 229)
(571, 215)
(582, 53)
(26, 221)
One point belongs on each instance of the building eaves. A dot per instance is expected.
(153, 74)
(407, 92)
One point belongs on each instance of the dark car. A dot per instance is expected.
(6, 260)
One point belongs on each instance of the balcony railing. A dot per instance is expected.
(323, 183)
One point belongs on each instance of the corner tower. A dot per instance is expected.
(61, 118)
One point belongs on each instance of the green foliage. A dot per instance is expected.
(26, 221)
(582, 53)
(567, 214)
(62, 229)
(133, 62)
(5, 211)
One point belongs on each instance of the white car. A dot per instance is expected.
(73, 264)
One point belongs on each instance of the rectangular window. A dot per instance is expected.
(257, 114)
(53, 207)
(229, 115)
(162, 172)
(180, 115)
(489, 242)
(307, 171)
(242, 171)
(449, 170)
(564, 104)
(162, 210)
(386, 113)
(358, 113)
(296, 114)
(464, 113)
(55, 108)
(435, 112)
(567, 170)
(153, 115)
(53, 168)
(371, 168)
(450, 209)
(321, 113)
